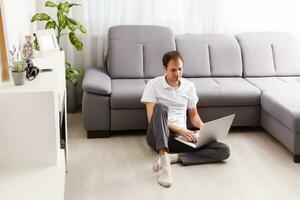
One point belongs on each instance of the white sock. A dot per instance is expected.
(165, 177)
(173, 159)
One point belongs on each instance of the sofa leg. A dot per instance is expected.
(297, 158)
(98, 134)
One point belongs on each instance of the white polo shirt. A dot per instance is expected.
(178, 100)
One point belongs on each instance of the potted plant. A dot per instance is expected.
(18, 66)
(64, 25)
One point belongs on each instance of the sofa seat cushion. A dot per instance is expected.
(232, 91)
(294, 80)
(275, 83)
(127, 93)
(284, 106)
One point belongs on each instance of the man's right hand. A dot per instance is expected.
(186, 133)
(189, 135)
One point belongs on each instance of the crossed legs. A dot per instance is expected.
(160, 139)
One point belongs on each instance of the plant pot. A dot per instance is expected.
(71, 98)
(19, 77)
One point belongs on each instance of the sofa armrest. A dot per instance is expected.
(96, 81)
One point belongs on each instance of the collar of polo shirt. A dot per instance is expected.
(166, 85)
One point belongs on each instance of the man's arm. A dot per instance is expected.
(149, 109)
(173, 128)
(194, 117)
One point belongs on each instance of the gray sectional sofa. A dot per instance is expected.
(254, 75)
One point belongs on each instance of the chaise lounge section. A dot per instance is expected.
(271, 62)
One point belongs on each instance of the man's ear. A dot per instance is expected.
(165, 69)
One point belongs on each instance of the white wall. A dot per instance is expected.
(266, 15)
(17, 15)
(244, 15)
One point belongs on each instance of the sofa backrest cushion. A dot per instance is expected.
(207, 55)
(269, 54)
(136, 51)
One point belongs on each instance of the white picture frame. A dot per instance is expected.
(47, 41)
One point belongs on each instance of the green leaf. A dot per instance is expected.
(81, 72)
(71, 80)
(75, 72)
(50, 24)
(72, 74)
(71, 26)
(73, 21)
(62, 19)
(68, 64)
(82, 29)
(50, 4)
(63, 7)
(40, 17)
(35, 43)
(75, 41)
(72, 4)
(78, 45)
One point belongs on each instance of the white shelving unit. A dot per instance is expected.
(32, 163)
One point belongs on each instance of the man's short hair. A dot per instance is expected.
(171, 55)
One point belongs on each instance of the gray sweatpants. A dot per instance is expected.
(159, 136)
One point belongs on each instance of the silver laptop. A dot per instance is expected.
(211, 131)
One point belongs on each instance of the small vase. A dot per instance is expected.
(19, 77)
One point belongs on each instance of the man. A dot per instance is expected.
(167, 99)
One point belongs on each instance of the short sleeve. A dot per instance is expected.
(149, 94)
(194, 98)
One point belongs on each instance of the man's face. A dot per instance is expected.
(174, 70)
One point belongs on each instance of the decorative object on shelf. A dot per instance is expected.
(27, 55)
(27, 50)
(47, 41)
(31, 70)
(19, 77)
(18, 66)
